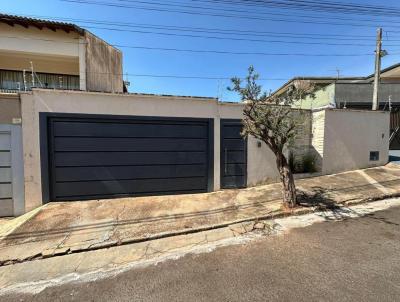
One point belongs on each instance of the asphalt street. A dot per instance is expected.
(352, 260)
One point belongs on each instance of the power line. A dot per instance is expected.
(235, 39)
(194, 77)
(229, 9)
(315, 6)
(205, 50)
(219, 14)
(171, 76)
(317, 36)
(247, 53)
(235, 31)
(221, 32)
(306, 5)
(174, 76)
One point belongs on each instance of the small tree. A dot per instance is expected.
(272, 120)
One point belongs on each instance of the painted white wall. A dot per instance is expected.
(350, 135)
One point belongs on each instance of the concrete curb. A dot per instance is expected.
(277, 214)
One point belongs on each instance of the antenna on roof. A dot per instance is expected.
(337, 70)
(126, 82)
(337, 73)
(219, 90)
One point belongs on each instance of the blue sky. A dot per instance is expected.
(155, 62)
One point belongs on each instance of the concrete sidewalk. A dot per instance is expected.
(63, 228)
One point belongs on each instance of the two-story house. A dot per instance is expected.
(56, 55)
(51, 56)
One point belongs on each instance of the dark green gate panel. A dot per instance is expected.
(233, 155)
(94, 156)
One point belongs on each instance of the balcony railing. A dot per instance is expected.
(11, 80)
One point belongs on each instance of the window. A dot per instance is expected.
(374, 155)
(15, 80)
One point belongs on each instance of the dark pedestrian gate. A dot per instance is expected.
(91, 156)
(233, 155)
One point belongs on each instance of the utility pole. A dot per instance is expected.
(378, 55)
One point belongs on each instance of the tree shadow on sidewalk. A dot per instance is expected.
(322, 201)
(319, 198)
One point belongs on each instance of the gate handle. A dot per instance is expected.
(226, 159)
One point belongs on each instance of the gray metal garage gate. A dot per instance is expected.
(91, 156)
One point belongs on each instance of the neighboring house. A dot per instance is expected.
(355, 93)
(47, 54)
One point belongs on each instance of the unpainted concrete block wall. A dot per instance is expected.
(103, 66)
(301, 146)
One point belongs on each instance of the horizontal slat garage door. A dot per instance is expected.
(91, 157)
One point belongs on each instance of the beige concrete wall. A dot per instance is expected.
(260, 160)
(349, 137)
(35, 41)
(41, 63)
(261, 166)
(103, 66)
(10, 107)
(261, 163)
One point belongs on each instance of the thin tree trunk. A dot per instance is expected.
(288, 185)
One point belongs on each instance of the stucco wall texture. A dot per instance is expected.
(261, 161)
(350, 136)
(10, 107)
(346, 144)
